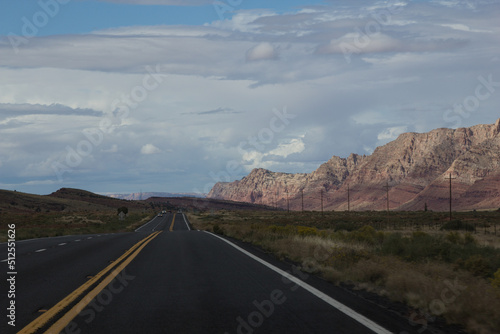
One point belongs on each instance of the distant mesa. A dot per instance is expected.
(145, 195)
(415, 166)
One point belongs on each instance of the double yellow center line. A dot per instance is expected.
(100, 281)
(172, 225)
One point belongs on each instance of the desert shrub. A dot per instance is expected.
(344, 226)
(419, 234)
(394, 244)
(495, 281)
(469, 239)
(345, 257)
(457, 225)
(217, 229)
(283, 230)
(478, 266)
(423, 246)
(454, 237)
(366, 234)
(419, 247)
(304, 231)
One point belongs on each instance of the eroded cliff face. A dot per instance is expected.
(415, 167)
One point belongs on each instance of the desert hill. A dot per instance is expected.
(65, 199)
(145, 195)
(77, 200)
(89, 197)
(415, 167)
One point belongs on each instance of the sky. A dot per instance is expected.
(124, 96)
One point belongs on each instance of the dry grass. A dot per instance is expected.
(29, 226)
(75, 219)
(440, 273)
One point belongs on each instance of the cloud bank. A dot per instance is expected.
(104, 108)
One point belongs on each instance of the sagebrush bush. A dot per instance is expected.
(478, 266)
(304, 231)
(217, 229)
(458, 225)
(366, 234)
(454, 237)
(495, 281)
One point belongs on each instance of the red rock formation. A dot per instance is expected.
(415, 166)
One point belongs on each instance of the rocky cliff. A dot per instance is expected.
(413, 169)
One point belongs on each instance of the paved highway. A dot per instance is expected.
(167, 278)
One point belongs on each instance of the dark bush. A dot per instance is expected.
(217, 230)
(394, 244)
(457, 225)
(123, 209)
(345, 226)
(478, 266)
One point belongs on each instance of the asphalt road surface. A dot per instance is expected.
(167, 278)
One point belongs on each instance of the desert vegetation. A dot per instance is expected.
(29, 226)
(437, 267)
(67, 212)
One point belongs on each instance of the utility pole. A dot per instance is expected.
(450, 178)
(387, 190)
(287, 202)
(348, 199)
(302, 195)
(322, 202)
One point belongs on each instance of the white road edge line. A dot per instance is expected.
(339, 306)
(40, 250)
(58, 237)
(38, 239)
(154, 228)
(149, 222)
(184, 216)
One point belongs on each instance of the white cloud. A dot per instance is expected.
(40, 182)
(163, 31)
(355, 43)
(261, 51)
(150, 149)
(113, 149)
(285, 149)
(164, 2)
(391, 133)
(253, 159)
(463, 27)
(243, 21)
